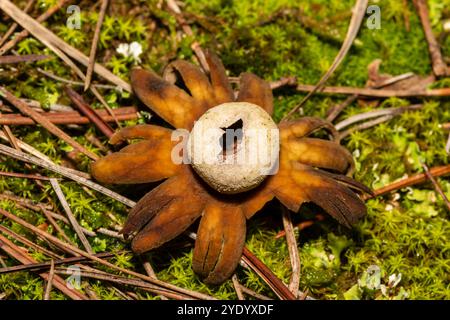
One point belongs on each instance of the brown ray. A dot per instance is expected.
(254, 90)
(320, 153)
(141, 131)
(195, 80)
(303, 184)
(142, 162)
(173, 218)
(171, 191)
(219, 244)
(219, 80)
(168, 101)
(305, 126)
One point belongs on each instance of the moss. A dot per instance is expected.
(406, 232)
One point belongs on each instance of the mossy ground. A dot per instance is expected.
(406, 232)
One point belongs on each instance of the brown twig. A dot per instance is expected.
(26, 147)
(15, 252)
(151, 273)
(365, 125)
(436, 185)
(70, 117)
(51, 275)
(41, 156)
(127, 281)
(334, 111)
(407, 182)
(56, 44)
(118, 292)
(46, 265)
(55, 225)
(68, 250)
(39, 32)
(73, 221)
(64, 172)
(92, 138)
(60, 243)
(149, 269)
(30, 244)
(264, 272)
(24, 203)
(237, 287)
(27, 203)
(379, 93)
(51, 41)
(195, 46)
(24, 58)
(23, 175)
(12, 139)
(284, 81)
(24, 33)
(14, 26)
(92, 54)
(359, 12)
(122, 294)
(2, 262)
(60, 48)
(304, 295)
(253, 293)
(90, 113)
(25, 109)
(406, 15)
(91, 293)
(74, 83)
(375, 114)
(111, 233)
(293, 251)
(15, 144)
(439, 67)
(135, 296)
(302, 225)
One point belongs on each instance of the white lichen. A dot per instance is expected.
(133, 50)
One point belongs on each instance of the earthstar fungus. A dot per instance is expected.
(234, 146)
(309, 169)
